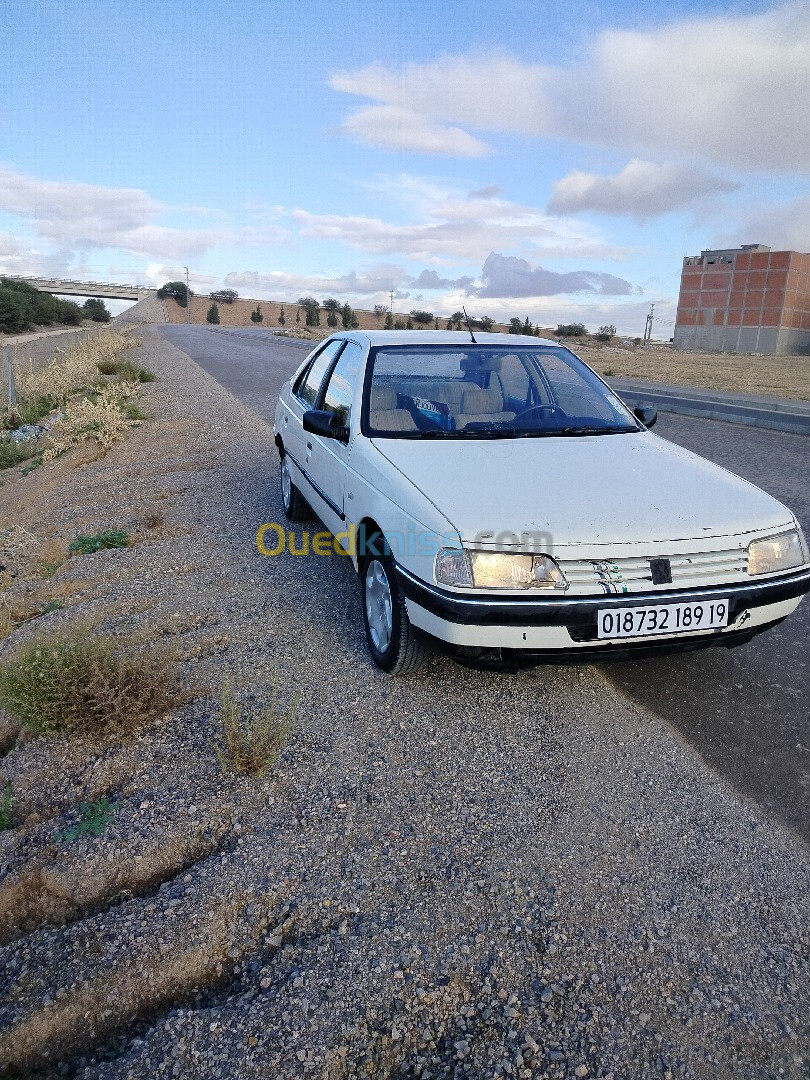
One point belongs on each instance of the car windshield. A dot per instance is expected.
(488, 391)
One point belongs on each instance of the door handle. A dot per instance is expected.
(309, 446)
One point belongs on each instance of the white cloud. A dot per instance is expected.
(642, 190)
(783, 228)
(722, 88)
(460, 229)
(372, 282)
(403, 129)
(505, 275)
(84, 216)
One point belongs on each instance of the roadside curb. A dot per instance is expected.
(775, 414)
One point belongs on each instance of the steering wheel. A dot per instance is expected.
(539, 410)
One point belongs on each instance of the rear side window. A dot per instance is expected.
(339, 392)
(310, 382)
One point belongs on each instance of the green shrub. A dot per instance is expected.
(95, 817)
(13, 453)
(89, 684)
(6, 812)
(213, 314)
(251, 744)
(110, 538)
(126, 371)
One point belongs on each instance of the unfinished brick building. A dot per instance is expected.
(746, 300)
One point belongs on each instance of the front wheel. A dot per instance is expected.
(393, 645)
(295, 505)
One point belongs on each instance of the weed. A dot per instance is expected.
(101, 419)
(154, 520)
(608, 371)
(126, 370)
(35, 408)
(35, 464)
(110, 538)
(14, 453)
(6, 812)
(95, 817)
(78, 682)
(53, 605)
(251, 744)
(132, 411)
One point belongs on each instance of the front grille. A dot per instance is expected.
(630, 575)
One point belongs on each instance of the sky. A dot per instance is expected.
(541, 159)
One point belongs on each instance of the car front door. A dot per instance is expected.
(305, 393)
(327, 459)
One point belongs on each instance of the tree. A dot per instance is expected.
(298, 316)
(515, 325)
(449, 324)
(389, 321)
(177, 290)
(282, 318)
(486, 323)
(527, 326)
(332, 319)
(256, 316)
(213, 314)
(330, 305)
(72, 314)
(312, 309)
(422, 317)
(458, 319)
(576, 329)
(224, 296)
(399, 324)
(15, 314)
(348, 318)
(409, 324)
(436, 323)
(96, 310)
(380, 310)
(606, 334)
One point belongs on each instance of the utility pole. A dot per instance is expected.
(648, 329)
(391, 305)
(188, 298)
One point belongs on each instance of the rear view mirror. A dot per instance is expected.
(324, 423)
(647, 414)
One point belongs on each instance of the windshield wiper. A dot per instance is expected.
(468, 433)
(572, 432)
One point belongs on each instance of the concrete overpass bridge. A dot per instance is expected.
(103, 289)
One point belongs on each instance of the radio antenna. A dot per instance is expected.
(469, 326)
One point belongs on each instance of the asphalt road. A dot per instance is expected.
(746, 710)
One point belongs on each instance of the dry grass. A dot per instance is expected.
(58, 893)
(75, 681)
(135, 986)
(251, 744)
(769, 376)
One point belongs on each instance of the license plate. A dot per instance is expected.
(662, 619)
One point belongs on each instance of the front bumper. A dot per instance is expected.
(557, 625)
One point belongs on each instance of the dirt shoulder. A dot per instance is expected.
(459, 873)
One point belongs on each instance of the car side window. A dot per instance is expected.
(340, 389)
(516, 384)
(310, 384)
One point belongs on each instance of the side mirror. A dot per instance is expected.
(646, 414)
(324, 423)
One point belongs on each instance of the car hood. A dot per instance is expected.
(583, 490)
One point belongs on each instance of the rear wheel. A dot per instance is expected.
(295, 505)
(392, 642)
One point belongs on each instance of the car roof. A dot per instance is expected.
(438, 337)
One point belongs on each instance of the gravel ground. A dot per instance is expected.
(455, 874)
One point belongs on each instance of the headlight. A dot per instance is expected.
(497, 570)
(776, 553)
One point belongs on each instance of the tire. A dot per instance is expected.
(391, 639)
(296, 508)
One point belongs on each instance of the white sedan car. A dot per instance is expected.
(497, 498)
